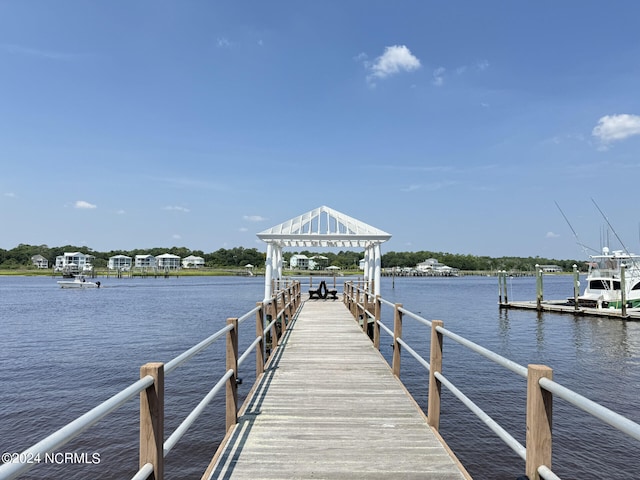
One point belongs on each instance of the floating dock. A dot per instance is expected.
(561, 306)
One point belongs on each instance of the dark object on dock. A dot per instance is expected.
(322, 292)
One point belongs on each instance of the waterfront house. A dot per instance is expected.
(73, 262)
(192, 262)
(299, 261)
(550, 268)
(168, 261)
(145, 261)
(433, 267)
(39, 261)
(120, 262)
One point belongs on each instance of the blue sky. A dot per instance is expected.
(454, 126)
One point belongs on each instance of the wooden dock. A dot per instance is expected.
(328, 406)
(560, 306)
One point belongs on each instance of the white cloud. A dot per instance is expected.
(254, 218)
(175, 236)
(612, 128)
(84, 205)
(10, 195)
(243, 229)
(361, 57)
(176, 209)
(482, 65)
(395, 59)
(34, 52)
(552, 235)
(438, 76)
(224, 42)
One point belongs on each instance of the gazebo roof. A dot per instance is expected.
(324, 227)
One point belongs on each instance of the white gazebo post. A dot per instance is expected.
(268, 272)
(371, 268)
(366, 266)
(377, 269)
(323, 227)
(280, 262)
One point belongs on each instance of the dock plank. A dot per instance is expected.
(329, 407)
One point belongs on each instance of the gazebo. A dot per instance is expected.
(323, 227)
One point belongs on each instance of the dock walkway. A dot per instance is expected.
(328, 406)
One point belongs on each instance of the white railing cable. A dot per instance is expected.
(195, 413)
(603, 413)
(183, 357)
(492, 424)
(144, 472)
(418, 318)
(414, 354)
(248, 351)
(494, 357)
(384, 327)
(546, 473)
(387, 302)
(268, 328)
(73, 429)
(247, 315)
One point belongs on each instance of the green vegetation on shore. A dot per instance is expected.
(226, 261)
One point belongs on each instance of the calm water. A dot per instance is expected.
(64, 351)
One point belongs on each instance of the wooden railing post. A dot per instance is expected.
(232, 364)
(365, 311)
(539, 421)
(152, 420)
(346, 296)
(397, 333)
(260, 335)
(435, 365)
(273, 308)
(376, 325)
(290, 301)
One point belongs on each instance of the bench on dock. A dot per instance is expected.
(323, 292)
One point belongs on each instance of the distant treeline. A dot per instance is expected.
(20, 257)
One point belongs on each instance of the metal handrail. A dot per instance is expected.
(61, 437)
(596, 410)
(183, 357)
(195, 413)
(67, 433)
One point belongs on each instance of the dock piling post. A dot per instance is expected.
(576, 286)
(623, 290)
(499, 287)
(504, 283)
(539, 296)
(152, 420)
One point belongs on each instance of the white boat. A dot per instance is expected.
(79, 281)
(605, 283)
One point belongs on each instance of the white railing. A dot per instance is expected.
(367, 308)
(280, 310)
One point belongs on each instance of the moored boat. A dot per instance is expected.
(607, 285)
(79, 281)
